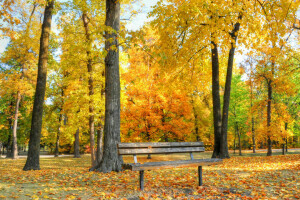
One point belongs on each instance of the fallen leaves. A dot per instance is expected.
(276, 177)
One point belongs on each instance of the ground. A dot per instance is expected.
(247, 177)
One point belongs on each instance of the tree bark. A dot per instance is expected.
(234, 142)
(111, 161)
(91, 89)
(33, 161)
(15, 126)
(9, 145)
(196, 122)
(286, 139)
(252, 117)
(99, 143)
(56, 154)
(239, 137)
(269, 153)
(216, 100)
(224, 143)
(76, 145)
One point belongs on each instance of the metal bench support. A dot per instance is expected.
(200, 175)
(142, 180)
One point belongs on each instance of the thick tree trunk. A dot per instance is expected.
(91, 90)
(15, 127)
(269, 153)
(56, 154)
(76, 145)
(216, 100)
(33, 161)
(111, 161)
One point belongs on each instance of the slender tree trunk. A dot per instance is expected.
(33, 161)
(91, 90)
(111, 161)
(239, 137)
(196, 122)
(2, 152)
(216, 101)
(269, 153)
(56, 154)
(76, 145)
(15, 126)
(148, 136)
(99, 143)
(286, 139)
(252, 117)
(224, 143)
(253, 134)
(9, 145)
(234, 142)
(1, 145)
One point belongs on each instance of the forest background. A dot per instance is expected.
(168, 69)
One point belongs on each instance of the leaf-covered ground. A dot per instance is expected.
(259, 177)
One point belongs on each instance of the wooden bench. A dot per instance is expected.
(164, 148)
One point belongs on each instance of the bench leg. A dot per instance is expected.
(200, 175)
(142, 180)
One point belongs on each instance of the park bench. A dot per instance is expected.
(164, 148)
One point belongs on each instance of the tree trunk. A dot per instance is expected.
(252, 117)
(76, 145)
(99, 143)
(269, 153)
(286, 139)
(33, 161)
(234, 143)
(91, 90)
(216, 100)
(56, 154)
(253, 135)
(239, 137)
(224, 143)
(15, 127)
(111, 161)
(18, 99)
(195, 122)
(1, 145)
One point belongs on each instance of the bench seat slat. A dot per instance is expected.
(160, 150)
(171, 164)
(160, 144)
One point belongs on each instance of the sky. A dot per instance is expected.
(136, 22)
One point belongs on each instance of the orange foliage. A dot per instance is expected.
(153, 111)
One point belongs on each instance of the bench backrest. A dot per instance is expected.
(160, 147)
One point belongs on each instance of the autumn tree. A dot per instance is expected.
(239, 109)
(111, 161)
(32, 161)
(152, 111)
(20, 56)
